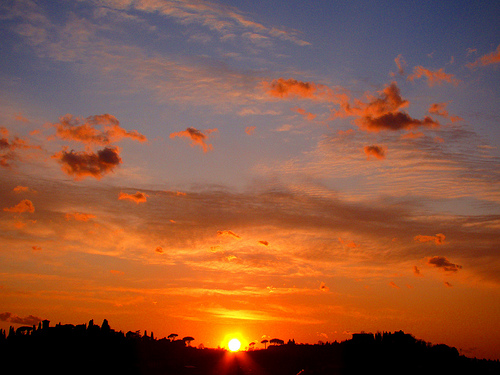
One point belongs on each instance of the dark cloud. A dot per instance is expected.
(395, 121)
(376, 151)
(443, 263)
(289, 88)
(383, 112)
(89, 164)
(29, 320)
(9, 147)
(196, 136)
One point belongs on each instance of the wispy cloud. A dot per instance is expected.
(488, 59)
(438, 239)
(433, 76)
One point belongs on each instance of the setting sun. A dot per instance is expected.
(234, 345)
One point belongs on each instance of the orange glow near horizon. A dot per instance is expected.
(234, 342)
(262, 173)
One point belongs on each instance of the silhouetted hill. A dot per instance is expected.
(93, 349)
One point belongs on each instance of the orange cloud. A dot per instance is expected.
(8, 147)
(196, 136)
(433, 77)
(159, 250)
(78, 216)
(36, 248)
(438, 239)
(227, 233)
(309, 116)
(250, 129)
(443, 263)
(138, 197)
(24, 206)
(89, 164)
(289, 88)
(22, 189)
(401, 64)
(393, 285)
(376, 151)
(85, 131)
(440, 109)
(383, 112)
(265, 243)
(412, 135)
(491, 58)
(323, 287)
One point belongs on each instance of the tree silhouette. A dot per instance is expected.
(188, 339)
(277, 341)
(251, 345)
(172, 336)
(265, 343)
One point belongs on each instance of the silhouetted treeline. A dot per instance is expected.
(93, 349)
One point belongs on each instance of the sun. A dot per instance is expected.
(234, 345)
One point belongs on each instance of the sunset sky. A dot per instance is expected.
(252, 169)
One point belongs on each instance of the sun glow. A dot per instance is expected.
(234, 345)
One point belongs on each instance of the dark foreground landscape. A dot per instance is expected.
(93, 349)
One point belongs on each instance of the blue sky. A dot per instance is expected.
(310, 153)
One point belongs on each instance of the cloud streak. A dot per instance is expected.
(433, 77)
(137, 197)
(488, 59)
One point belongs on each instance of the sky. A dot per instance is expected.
(217, 169)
